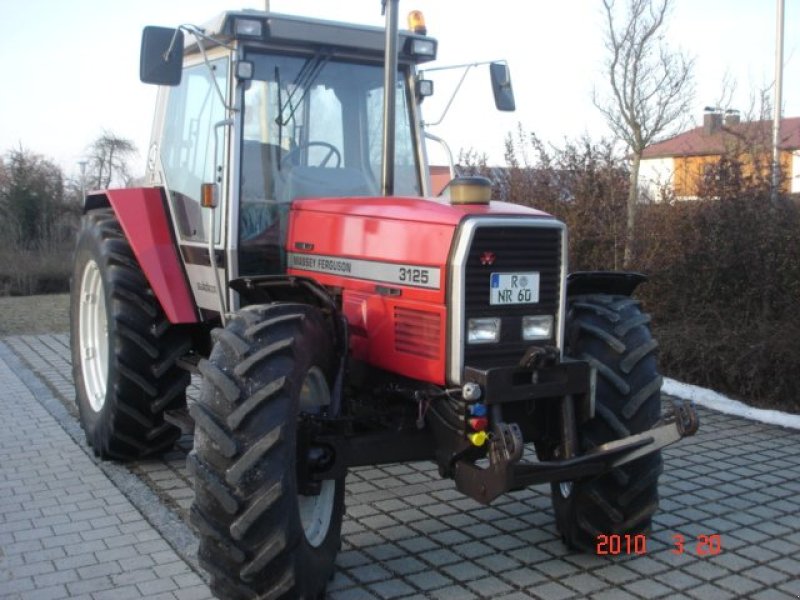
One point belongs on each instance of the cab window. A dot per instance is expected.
(187, 146)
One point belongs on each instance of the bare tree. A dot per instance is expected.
(108, 161)
(651, 86)
(31, 197)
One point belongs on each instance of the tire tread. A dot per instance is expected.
(613, 336)
(250, 384)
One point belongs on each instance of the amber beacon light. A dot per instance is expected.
(416, 22)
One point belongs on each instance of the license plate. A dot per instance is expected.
(514, 288)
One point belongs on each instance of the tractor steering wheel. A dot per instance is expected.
(289, 157)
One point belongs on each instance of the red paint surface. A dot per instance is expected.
(425, 210)
(142, 214)
(405, 231)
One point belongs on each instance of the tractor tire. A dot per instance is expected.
(613, 335)
(124, 350)
(258, 536)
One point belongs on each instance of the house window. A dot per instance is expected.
(724, 173)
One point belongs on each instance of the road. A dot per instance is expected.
(72, 527)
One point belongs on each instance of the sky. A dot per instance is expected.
(70, 67)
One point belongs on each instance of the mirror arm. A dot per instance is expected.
(452, 96)
(466, 67)
(462, 66)
(171, 47)
(199, 36)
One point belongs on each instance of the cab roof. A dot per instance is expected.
(303, 32)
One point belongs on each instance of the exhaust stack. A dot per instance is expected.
(390, 9)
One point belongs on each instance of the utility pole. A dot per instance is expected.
(776, 125)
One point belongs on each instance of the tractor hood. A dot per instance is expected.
(424, 210)
(391, 261)
(378, 241)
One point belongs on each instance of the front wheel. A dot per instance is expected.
(613, 335)
(259, 536)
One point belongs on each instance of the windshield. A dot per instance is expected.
(313, 128)
(316, 112)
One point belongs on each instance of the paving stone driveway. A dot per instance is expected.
(72, 527)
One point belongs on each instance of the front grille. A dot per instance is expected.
(515, 249)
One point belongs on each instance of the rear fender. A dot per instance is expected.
(618, 283)
(142, 213)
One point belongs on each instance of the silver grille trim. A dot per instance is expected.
(457, 282)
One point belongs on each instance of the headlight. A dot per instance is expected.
(483, 331)
(539, 327)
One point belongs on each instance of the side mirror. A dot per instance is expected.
(161, 57)
(501, 86)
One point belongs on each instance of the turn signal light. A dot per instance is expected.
(479, 423)
(208, 195)
(479, 438)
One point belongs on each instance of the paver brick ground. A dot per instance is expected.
(62, 520)
(73, 527)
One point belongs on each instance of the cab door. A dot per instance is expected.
(192, 151)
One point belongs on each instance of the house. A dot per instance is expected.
(684, 163)
(440, 177)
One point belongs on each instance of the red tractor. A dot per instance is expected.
(287, 249)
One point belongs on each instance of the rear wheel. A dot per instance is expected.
(613, 335)
(124, 350)
(259, 537)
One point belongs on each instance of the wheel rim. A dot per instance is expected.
(316, 511)
(93, 336)
(566, 488)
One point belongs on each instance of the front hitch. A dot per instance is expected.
(681, 422)
(506, 472)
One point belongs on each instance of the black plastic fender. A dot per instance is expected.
(604, 282)
(262, 289)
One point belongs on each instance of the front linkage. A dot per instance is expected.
(507, 471)
(332, 445)
(593, 416)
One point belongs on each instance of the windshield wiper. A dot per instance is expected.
(305, 79)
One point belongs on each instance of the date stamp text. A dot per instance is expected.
(627, 544)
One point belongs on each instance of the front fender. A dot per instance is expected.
(622, 283)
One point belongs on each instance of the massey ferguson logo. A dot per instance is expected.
(487, 259)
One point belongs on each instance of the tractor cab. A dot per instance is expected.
(266, 109)
(312, 128)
